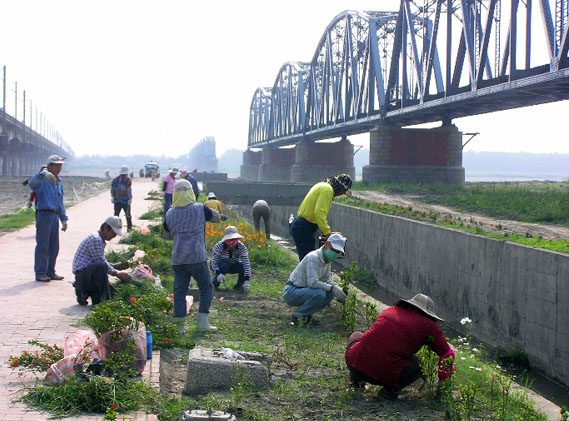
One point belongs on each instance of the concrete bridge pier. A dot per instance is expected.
(428, 156)
(251, 162)
(276, 164)
(317, 161)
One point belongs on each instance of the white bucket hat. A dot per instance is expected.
(115, 223)
(211, 195)
(182, 185)
(230, 232)
(124, 170)
(173, 170)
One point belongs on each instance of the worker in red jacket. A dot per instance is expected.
(385, 354)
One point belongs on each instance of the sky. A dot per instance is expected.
(128, 77)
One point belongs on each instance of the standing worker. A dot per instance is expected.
(261, 210)
(50, 210)
(313, 212)
(187, 176)
(212, 202)
(186, 221)
(168, 188)
(121, 195)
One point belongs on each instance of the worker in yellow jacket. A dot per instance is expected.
(313, 212)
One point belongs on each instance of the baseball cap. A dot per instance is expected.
(115, 223)
(55, 159)
(337, 241)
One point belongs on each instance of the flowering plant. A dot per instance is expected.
(37, 360)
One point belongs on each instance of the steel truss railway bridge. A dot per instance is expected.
(377, 72)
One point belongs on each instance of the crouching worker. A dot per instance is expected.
(186, 221)
(90, 266)
(230, 256)
(385, 354)
(310, 286)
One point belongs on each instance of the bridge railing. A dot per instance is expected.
(373, 67)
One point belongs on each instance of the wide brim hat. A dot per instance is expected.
(125, 170)
(230, 233)
(173, 170)
(425, 304)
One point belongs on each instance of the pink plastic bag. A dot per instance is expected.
(60, 371)
(143, 271)
(189, 302)
(109, 344)
(83, 344)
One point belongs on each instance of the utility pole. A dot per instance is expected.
(16, 100)
(4, 102)
(24, 118)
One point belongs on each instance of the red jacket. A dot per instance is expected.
(396, 334)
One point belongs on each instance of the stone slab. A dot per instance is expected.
(209, 370)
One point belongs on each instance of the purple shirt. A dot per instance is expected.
(169, 180)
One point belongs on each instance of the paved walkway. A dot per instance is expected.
(48, 312)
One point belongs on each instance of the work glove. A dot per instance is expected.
(223, 217)
(220, 278)
(339, 294)
(130, 202)
(49, 177)
(64, 226)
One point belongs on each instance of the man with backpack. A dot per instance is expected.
(121, 195)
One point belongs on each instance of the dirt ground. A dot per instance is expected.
(15, 195)
(549, 232)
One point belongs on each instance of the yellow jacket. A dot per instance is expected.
(316, 204)
(213, 204)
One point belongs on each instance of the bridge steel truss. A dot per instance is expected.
(432, 60)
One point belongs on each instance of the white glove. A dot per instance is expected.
(339, 294)
(220, 278)
(64, 226)
(50, 177)
(112, 200)
(130, 202)
(246, 287)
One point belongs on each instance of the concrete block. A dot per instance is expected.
(199, 414)
(209, 370)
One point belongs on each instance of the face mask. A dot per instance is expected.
(330, 255)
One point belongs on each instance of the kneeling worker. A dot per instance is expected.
(310, 286)
(231, 256)
(90, 266)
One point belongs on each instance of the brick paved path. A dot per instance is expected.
(48, 312)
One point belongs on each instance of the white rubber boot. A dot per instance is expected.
(203, 323)
(180, 324)
(246, 287)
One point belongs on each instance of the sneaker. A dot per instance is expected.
(56, 277)
(43, 278)
(81, 301)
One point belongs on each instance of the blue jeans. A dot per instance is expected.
(167, 202)
(47, 242)
(308, 300)
(303, 233)
(182, 275)
(225, 267)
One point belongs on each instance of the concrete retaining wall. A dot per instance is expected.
(513, 293)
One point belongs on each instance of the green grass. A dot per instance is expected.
(17, 220)
(454, 223)
(538, 203)
(310, 377)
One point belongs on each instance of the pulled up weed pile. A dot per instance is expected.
(309, 376)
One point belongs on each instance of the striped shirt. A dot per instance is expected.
(239, 253)
(91, 250)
